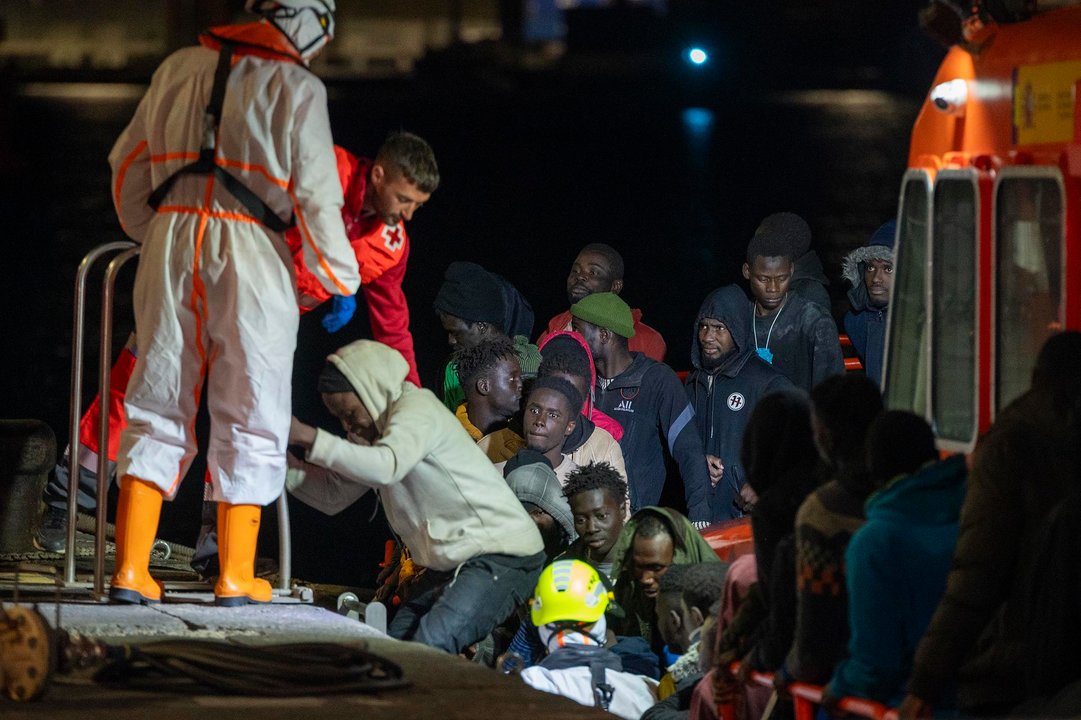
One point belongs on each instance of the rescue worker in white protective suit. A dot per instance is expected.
(208, 194)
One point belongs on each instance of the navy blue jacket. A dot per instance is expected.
(724, 398)
(867, 330)
(648, 401)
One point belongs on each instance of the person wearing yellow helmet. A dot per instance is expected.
(569, 592)
(568, 610)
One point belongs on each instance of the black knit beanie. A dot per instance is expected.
(473, 294)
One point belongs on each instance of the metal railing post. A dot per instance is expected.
(104, 378)
(79, 313)
(285, 549)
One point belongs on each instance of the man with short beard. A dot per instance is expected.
(599, 268)
(726, 384)
(869, 270)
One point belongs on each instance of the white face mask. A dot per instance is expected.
(549, 635)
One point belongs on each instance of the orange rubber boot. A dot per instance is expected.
(238, 532)
(137, 515)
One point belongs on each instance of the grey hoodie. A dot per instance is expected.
(441, 494)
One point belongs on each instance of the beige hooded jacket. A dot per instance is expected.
(442, 496)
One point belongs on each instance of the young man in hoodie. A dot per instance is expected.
(536, 486)
(549, 417)
(646, 398)
(869, 270)
(896, 564)
(653, 540)
(442, 496)
(599, 268)
(492, 380)
(793, 334)
(727, 381)
(567, 356)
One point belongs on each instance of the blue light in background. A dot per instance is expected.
(698, 135)
(697, 55)
(698, 122)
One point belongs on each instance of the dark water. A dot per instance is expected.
(533, 169)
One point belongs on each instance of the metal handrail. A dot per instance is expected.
(105, 362)
(285, 545)
(78, 321)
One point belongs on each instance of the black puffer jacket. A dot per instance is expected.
(724, 398)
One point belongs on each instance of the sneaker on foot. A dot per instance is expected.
(52, 533)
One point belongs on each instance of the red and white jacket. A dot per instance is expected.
(381, 250)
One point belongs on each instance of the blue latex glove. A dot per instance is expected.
(341, 312)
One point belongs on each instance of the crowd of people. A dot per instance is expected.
(525, 497)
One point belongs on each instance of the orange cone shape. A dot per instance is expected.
(238, 532)
(137, 517)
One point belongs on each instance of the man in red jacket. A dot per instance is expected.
(599, 268)
(380, 195)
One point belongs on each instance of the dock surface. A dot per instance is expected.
(441, 685)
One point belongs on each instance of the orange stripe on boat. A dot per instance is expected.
(306, 234)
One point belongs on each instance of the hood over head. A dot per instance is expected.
(932, 495)
(731, 306)
(878, 247)
(808, 266)
(376, 372)
(537, 483)
(690, 546)
(570, 341)
(519, 313)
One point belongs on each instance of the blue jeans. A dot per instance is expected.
(466, 606)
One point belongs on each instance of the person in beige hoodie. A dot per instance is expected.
(442, 496)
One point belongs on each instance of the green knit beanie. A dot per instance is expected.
(606, 310)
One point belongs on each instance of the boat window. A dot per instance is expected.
(906, 354)
(953, 309)
(1028, 260)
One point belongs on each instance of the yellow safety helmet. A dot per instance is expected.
(569, 591)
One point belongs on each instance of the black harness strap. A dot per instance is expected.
(602, 691)
(206, 164)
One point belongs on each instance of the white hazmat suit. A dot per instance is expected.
(214, 292)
